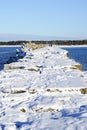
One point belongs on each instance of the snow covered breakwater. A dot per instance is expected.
(44, 90)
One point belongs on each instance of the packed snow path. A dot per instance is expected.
(42, 91)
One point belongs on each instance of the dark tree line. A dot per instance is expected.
(13, 43)
(53, 42)
(62, 42)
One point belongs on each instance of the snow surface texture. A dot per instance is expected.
(42, 92)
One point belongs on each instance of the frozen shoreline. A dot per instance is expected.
(43, 91)
(53, 45)
(72, 46)
(10, 45)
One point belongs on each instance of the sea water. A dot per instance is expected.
(79, 54)
(6, 53)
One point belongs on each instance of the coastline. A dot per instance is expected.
(10, 45)
(72, 46)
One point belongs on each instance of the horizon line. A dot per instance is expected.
(30, 37)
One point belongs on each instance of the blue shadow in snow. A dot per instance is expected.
(76, 113)
(2, 127)
(19, 124)
(81, 110)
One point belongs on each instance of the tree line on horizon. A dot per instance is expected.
(52, 42)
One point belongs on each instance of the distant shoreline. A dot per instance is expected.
(10, 45)
(46, 42)
(72, 46)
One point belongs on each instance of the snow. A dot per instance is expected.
(72, 46)
(44, 94)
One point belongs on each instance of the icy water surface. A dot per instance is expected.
(79, 54)
(6, 53)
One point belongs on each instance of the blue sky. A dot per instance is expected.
(22, 19)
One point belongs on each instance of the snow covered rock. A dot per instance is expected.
(43, 91)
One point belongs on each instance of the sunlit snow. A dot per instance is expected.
(42, 91)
